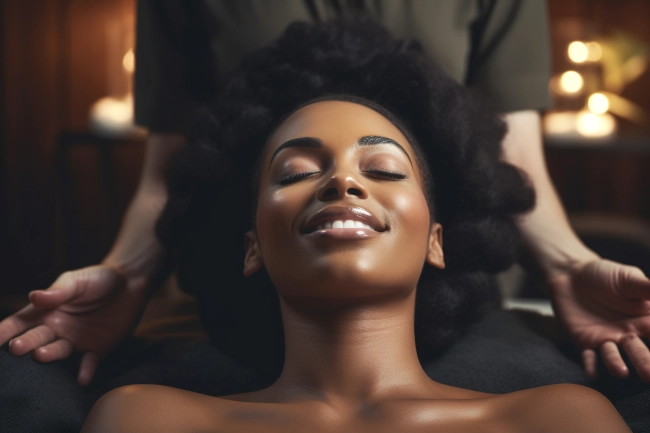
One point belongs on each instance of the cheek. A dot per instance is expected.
(272, 210)
(412, 210)
(276, 216)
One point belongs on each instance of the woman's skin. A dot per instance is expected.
(347, 297)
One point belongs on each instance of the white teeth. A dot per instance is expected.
(349, 224)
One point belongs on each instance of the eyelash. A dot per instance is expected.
(295, 177)
(389, 174)
(298, 176)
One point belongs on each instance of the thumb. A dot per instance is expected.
(61, 291)
(631, 283)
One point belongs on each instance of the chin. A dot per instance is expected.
(337, 277)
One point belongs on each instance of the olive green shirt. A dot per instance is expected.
(184, 49)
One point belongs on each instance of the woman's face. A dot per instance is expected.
(341, 210)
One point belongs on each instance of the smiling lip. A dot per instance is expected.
(352, 234)
(321, 222)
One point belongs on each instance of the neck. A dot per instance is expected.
(351, 354)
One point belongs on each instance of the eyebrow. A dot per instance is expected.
(312, 142)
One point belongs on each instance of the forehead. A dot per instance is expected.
(336, 122)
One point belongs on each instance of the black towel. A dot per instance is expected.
(506, 351)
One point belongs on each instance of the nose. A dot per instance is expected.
(340, 185)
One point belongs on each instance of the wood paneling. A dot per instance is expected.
(54, 66)
(606, 181)
(32, 97)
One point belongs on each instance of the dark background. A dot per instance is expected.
(62, 192)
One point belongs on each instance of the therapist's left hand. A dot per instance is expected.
(605, 306)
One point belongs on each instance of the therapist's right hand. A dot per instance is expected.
(90, 310)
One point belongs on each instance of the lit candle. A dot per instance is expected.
(579, 124)
(113, 117)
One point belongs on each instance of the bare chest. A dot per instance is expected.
(448, 417)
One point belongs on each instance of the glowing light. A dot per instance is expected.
(571, 81)
(560, 123)
(595, 125)
(578, 51)
(129, 61)
(594, 51)
(112, 116)
(598, 103)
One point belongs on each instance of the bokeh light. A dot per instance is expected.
(129, 61)
(598, 103)
(571, 81)
(578, 51)
(594, 51)
(595, 125)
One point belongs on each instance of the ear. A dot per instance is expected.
(253, 261)
(435, 256)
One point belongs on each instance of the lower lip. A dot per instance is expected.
(351, 233)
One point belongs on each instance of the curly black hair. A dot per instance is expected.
(210, 201)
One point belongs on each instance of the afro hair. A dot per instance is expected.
(210, 204)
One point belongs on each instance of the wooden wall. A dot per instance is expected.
(53, 67)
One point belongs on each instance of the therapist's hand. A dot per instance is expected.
(605, 307)
(90, 310)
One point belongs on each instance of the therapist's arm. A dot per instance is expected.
(136, 250)
(603, 304)
(547, 232)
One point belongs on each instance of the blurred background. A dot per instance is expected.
(70, 156)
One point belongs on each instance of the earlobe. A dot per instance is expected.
(435, 256)
(253, 260)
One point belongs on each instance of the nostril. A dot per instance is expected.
(329, 192)
(354, 191)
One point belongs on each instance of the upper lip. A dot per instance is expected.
(343, 213)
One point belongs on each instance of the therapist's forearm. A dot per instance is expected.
(137, 251)
(546, 229)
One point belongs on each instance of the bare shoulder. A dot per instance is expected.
(155, 408)
(564, 408)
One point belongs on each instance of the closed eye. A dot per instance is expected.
(296, 177)
(386, 174)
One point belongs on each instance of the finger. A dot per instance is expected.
(19, 322)
(632, 283)
(60, 349)
(32, 339)
(61, 291)
(589, 362)
(613, 360)
(87, 369)
(639, 355)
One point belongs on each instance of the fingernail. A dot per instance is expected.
(11, 341)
